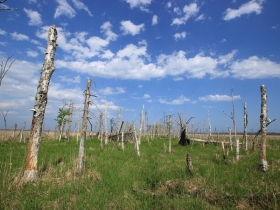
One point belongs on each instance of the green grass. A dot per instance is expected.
(116, 179)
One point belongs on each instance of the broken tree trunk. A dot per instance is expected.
(263, 117)
(31, 172)
(84, 129)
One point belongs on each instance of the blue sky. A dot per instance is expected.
(170, 56)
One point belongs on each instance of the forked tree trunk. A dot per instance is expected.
(31, 172)
(84, 129)
(263, 117)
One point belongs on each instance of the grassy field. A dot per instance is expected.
(116, 179)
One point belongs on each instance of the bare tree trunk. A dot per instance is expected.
(237, 149)
(169, 134)
(263, 118)
(14, 131)
(136, 142)
(245, 126)
(31, 172)
(84, 129)
(69, 122)
(22, 132)
(230, 140)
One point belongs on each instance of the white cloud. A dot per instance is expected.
(181, 100)
(3, 43)
(34, 16)
(253, 6)
(32, 1)
(178, 78)
(70, 79)
(112, 91)
(32, 53)
(169, 4)
(80, 5)
(218, 97)
(138, 3)
(129, 28)
(177, 10)
(155, 20)
(223, 40)
(255, 67)
(200, 17)
(181, 35)
(2, 32)
(78, 46)
(107, 54)
(19, 37)
(64, 8)
(225, 59)
(146, 96)
(189, 11)
(106, 29)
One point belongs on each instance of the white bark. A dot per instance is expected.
(169, 134)
(31, 172)
(237, 149)
(84, 128)
(263, 118)
(122, 142)
(136, 142)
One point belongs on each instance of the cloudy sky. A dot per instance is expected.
(176, 56)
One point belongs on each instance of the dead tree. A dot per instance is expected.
(263, 120)
(5, 67)
(5, 120)
(183, 139)
(41, 98)
(84, 128)
(5, 8)
(245, 116)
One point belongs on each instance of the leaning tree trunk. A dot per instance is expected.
(84, 129)
(263, 117)
(41, 98)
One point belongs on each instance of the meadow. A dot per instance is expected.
(117, 179)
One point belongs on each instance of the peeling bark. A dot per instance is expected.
(31, 172)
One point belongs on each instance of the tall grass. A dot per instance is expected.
(117, 179)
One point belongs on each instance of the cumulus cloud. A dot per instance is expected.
(225, 59)
(181, 35)
(253, 6)
(189, 11)
(155, 20)
(112, 91)
(2, 32)
(34, 16)
(65, 9)
(106, 28)
(255, 67)
(80, 5)
(200, 17)
(70, 79)
(181, 100)
(218, 97)
(31, 53)
(130, 28)
(138, 3)
(19, 37)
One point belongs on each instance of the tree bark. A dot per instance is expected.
(84, 129)
(31, 172)
(263, 118)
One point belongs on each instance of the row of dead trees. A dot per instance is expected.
(31, 170)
